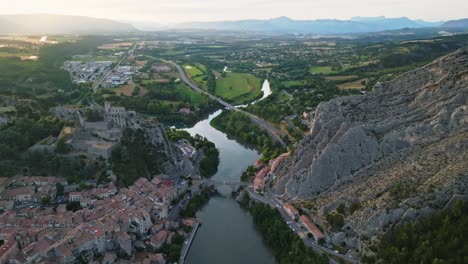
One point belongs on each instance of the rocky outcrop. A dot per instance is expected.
(399, 150)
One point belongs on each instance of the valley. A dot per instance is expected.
(199, 146)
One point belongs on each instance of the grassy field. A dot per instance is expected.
(19, 55)
(292, 83)
(340, 77)
(327, 69)
(96, 58)
(192, 70)
(321, 69)
(195, 98)
(238, 87)
(128, 90)
(200, 80)
(116, 46)
(357, 85)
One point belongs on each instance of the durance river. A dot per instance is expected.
(227, 234)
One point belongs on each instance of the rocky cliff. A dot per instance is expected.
(396, 152)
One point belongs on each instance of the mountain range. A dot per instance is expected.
(320, 26)
(460, 23)
(39, 24)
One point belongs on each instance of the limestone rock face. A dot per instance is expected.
(400, 150)
(352, 133)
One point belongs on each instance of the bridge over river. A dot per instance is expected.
(228, 183)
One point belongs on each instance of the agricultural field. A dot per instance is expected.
(340, 77)
(96, 58)
(116, 46)
(329, 69)
(321, 69)
(355, 85)
(193, 71)
(185, 92)
(129, 90)
(288, 84)
(238, 87)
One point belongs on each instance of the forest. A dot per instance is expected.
(135, 158)
(239, 126)
(439, 238)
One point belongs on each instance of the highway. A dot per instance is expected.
(274, 132)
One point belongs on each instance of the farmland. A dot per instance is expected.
(238, 87)
(358, 84)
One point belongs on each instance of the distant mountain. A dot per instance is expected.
(396, 23)
(460, 23)
(57, 24)
(320, 26)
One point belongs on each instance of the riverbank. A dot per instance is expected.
(228, 234)
(188, 243)
(240, 127)
(285, 244)
(198, 201)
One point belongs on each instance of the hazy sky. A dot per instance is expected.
(164, 11)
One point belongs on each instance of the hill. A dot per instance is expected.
(460, 23)
(43, 24)
(395, 154)
(321, 26)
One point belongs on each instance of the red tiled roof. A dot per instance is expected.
(291, 208)
(311, 227)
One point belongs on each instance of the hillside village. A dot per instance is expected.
(47, 219)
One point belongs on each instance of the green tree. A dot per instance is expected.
(62, 146)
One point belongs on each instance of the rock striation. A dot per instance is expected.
(399, 151)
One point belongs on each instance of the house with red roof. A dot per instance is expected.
(312, 228)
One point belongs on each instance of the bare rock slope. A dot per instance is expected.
(397, 151)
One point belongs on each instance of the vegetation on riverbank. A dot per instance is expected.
(210, 160)
(239, 126)
(287, 247)
(439, 238)
(248, 174)
(198, 201)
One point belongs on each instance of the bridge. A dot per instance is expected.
(229, 183)
(274, 132)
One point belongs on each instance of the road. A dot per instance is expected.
(173, 214)
(188, 243)
(99, 81)
(274, 132)
(270, 199)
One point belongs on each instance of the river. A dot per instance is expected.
(227, 234)
(266, 89)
